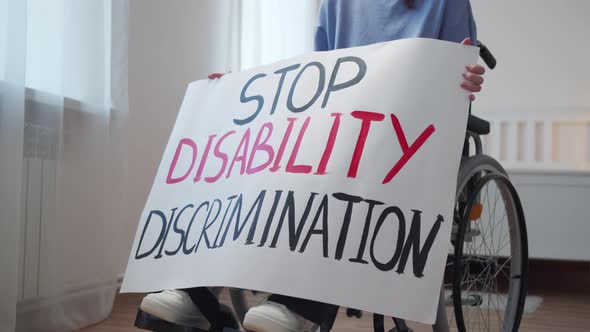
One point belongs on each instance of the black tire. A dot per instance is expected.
(476, 174)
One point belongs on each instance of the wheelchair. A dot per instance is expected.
(485, 280)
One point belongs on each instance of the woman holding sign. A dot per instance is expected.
(342, 24)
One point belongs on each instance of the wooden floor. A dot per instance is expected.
(559, 311)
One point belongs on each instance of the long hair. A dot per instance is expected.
(409, 3)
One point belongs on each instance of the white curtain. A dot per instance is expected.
(273, 30)
(63, 110)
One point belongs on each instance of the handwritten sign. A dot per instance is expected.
(330, 176)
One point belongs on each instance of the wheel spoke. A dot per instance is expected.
(484, 272)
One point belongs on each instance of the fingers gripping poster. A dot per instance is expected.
(330, 176)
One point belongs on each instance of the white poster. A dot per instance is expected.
(330, 176)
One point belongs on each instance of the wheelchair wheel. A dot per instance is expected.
(490, 258)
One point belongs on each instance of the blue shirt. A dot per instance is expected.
(348, 23)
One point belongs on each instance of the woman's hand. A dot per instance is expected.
(473, 75)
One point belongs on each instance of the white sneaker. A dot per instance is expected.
(174, 306)
(273, 317)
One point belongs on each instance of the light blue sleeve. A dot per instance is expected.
(321, 36)
(458, 22)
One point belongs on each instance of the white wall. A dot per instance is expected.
(171, 43)
(542, 48)
(555, 211)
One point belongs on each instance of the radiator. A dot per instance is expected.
(540, 141)
(43, 119)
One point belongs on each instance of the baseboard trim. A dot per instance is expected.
(67, 311)
(559, 275)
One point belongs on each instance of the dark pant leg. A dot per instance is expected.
(210, 307)
(317, 312)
